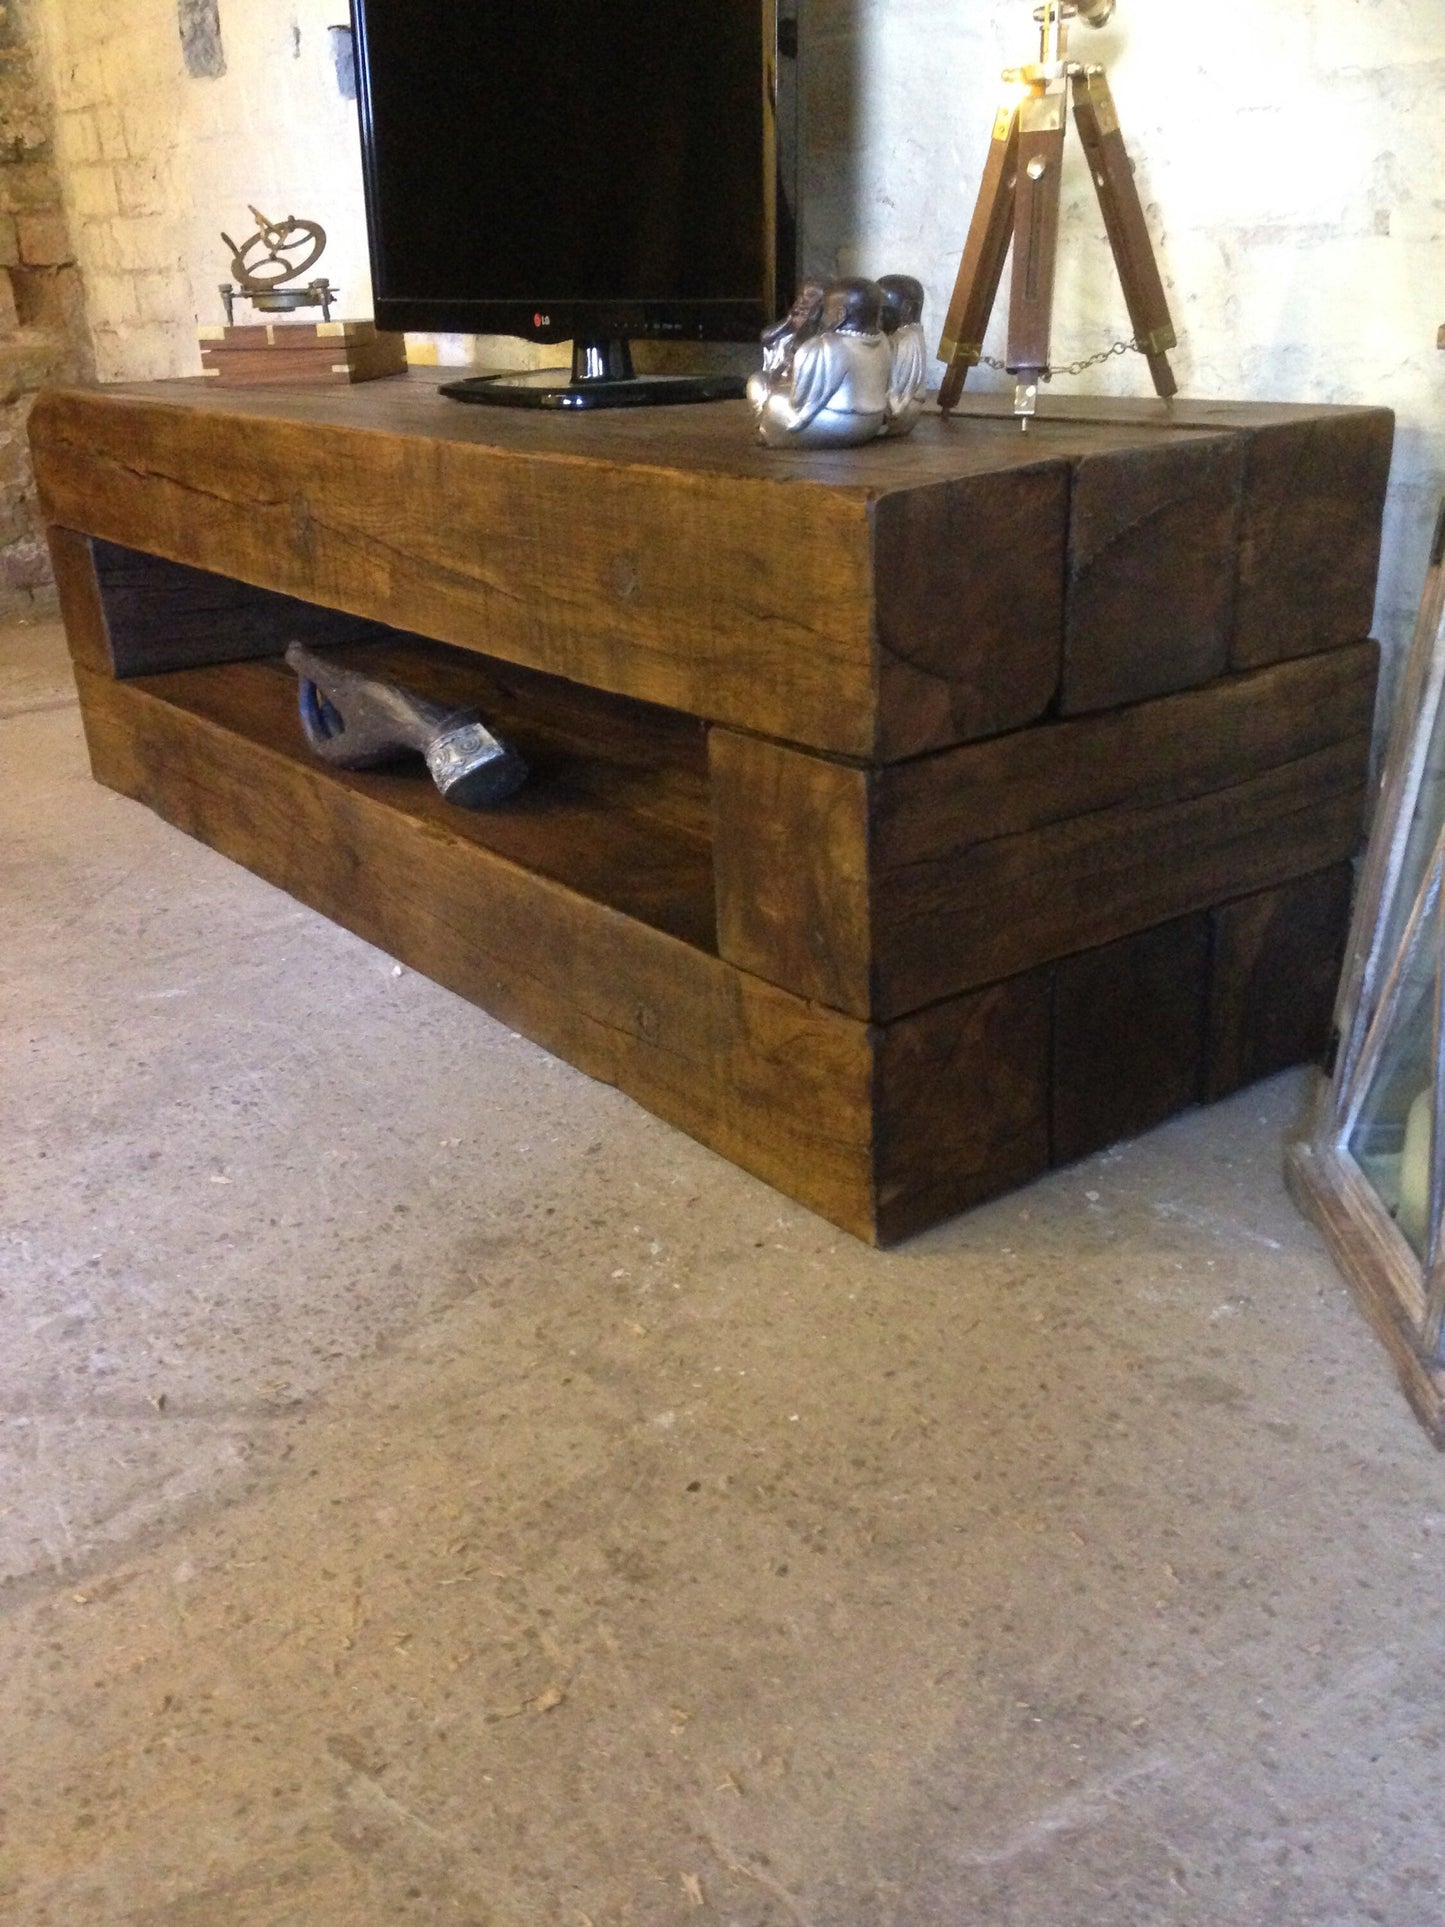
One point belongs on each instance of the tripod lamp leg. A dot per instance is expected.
(984, 253)
(1036, 238)
(1098, 123)
(1166, 386)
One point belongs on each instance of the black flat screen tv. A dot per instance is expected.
(591, 171)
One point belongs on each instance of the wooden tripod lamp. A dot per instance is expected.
(1019, 202)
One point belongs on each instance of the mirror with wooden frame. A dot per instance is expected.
(1371, 1171)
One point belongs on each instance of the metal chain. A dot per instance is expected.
(1075, 367)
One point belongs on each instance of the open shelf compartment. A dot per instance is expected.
(616, 804)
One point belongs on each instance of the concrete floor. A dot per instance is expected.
(434, 1490)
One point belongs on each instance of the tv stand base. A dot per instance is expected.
(601, 376)
(898, 827)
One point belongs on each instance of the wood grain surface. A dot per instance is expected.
(962, 1104)
(1311, 506)
(680, 565)
(78, 592)
(1128, 1036)
(1380, 1268)
(1277, 958)
(882, 891)
(619, 820)
(876, 602)
(1000, 856)
(791, 860)
(969, 606)
(781, 1087)
(1152, 568)
(293, 352)
(1309, 557)
(672, 589)
(881, 1130)
(811, 862)
(163, 615)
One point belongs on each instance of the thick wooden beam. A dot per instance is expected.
(1277, 958)
(970, 605)
(1310, 511)
(694, 593)
(1153, 537)
(1309, 556)
(881, 1130)
(961, 1105)
(790, 856)
(881, 891)
(73, 559)
(781, 1087)
(1128, 1036)
(996, 858)
(805, 596)
(163, 615)
(894, 825)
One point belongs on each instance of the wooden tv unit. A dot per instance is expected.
(904, 820)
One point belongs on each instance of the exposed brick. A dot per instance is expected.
(79, 139)
(42, 332)
(138, 184)
(26, 564)
(14, 459)
(28, 187)
(49, 298)
(114, 359)
(112, 302)
(44, 242)
(89, 80)
(17, 516)
(143, 122)
(163, 298)
(22, 136)
(146, 243)
(93, 193)
(28, 361)
(110, 131)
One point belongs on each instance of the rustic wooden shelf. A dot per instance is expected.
(903, 821)
(616, 806)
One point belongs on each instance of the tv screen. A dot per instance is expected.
(567, 167)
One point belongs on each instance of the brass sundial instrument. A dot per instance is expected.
(267, 260)
(1019, 203)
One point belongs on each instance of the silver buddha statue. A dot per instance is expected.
(797, 325)
(830, 387)
(903, 325)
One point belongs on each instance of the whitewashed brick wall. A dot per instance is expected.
(42, 331)
(157, 163)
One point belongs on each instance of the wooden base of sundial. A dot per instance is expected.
(280, 353)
